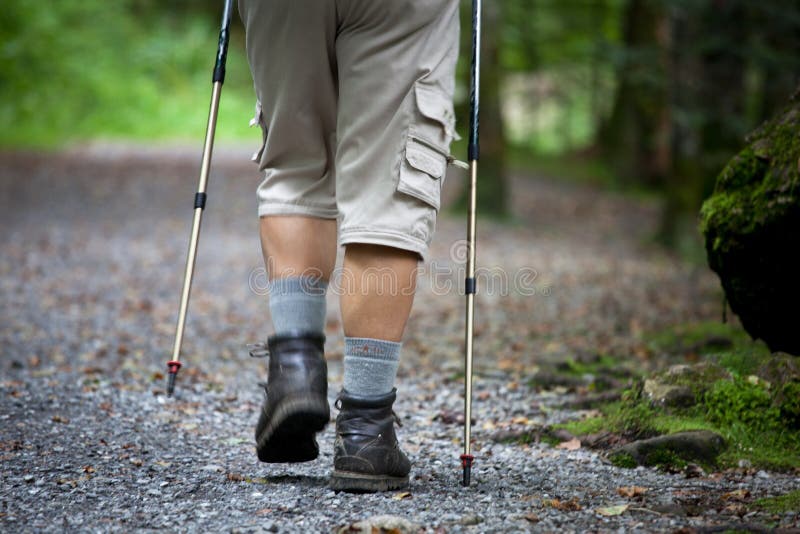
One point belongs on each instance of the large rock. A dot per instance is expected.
(693, 446)
(751, 225)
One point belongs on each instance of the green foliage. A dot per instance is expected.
(583, 427)
(789, 502)
(758, 419)
(624, 460)
(742, 403)
(74, 69)
(790, 404)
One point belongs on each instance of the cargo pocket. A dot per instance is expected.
(422, 171)
(426, 156)
(258, 119)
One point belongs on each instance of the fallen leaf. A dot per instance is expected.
(402, 495)
(521, 420)
(571, 505)
(533, 518)
(235, 477)
(736, 495)
(88, 469)
(60, 419)
(631, 491)
(572, 445)
(609, 511)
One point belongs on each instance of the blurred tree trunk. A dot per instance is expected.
(636, 139)
(714, 92)
(492, 180)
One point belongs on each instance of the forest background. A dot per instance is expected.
(649, 97)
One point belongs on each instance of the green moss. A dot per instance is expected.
(665, 459)
(790, 502)
(706, 337)
(603, 364)
(742, 402)
(624, 459)
(757, 417)
(582, 427)
(789, 404)
(747, 191)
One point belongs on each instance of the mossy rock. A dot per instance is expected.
(751, 226)
(681, 386)
(672, 450)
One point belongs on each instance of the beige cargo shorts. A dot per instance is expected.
(355, 102)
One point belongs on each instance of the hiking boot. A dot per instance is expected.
(366, 455)
(296, 407)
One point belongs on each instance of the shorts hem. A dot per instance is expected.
(307, 210)
(386, 238)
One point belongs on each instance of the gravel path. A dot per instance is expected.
(91, 258)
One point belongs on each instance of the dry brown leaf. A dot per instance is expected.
(88, 469)
(60, 419)
(402, 495)
(533, 518)
(736, 495)
(571, 505)
(572, 445)
(631, 491)
(235, 477)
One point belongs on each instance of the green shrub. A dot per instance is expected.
(741, 402)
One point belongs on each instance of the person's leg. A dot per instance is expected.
(396, 62)
(381, 288)
(375, 307)
(300, 254)
(290, 46)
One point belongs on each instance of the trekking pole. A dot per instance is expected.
(217, 79)
(473, 152)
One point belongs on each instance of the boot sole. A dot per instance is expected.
(361, 483)
(289, 435)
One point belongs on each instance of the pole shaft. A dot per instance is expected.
(208, 148)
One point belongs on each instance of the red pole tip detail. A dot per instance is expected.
(174, 365)
(466, 460)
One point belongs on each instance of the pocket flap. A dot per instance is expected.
(425, 159)
(422, 173)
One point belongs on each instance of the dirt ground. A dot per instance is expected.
(91, 260)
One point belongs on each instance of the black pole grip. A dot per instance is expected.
(222, 48)
(473, 148)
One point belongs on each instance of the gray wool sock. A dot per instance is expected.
(370, 365)
(297, 304)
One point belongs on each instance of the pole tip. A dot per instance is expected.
(173, 366)
(466, 464)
